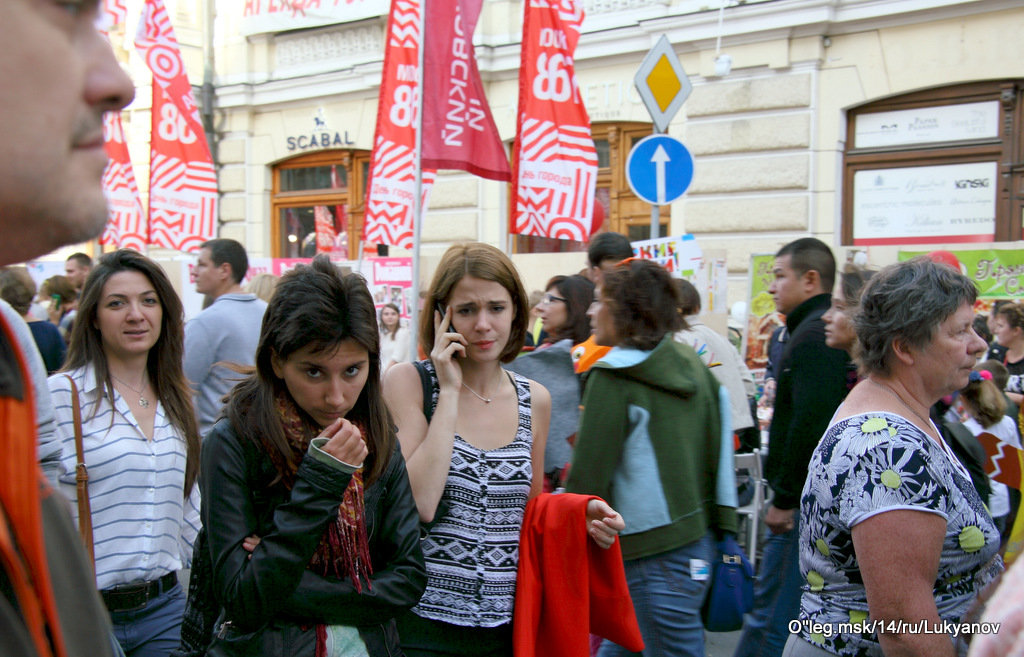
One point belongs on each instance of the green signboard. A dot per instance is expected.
(998, 273)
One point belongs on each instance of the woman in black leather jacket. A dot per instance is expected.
(310, 521)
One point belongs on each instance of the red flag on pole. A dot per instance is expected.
(555, 160)
(458, 129)
(391, 189)
(112, 13)
(126, 225)
(182, 180)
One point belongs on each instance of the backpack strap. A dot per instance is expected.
(428, 389)
(428, 412)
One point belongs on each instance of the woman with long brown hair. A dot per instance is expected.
(140, 443)
(311, 526)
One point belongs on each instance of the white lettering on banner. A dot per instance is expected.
(403, 110)
(392, 272)
(407, 73)
(173, 126)
(460, 115)
(555, 38)
(552, 81)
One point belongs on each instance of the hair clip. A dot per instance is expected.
(977, 377)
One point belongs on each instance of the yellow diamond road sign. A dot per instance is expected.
(662, 83)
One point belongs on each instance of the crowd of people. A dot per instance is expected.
(333, 498)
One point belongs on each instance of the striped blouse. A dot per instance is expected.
(142, 526)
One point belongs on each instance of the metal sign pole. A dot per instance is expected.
(417, 203)
(655, 208)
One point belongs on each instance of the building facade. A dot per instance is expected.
(848, 120)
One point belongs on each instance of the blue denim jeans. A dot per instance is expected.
(667, 601)
(154, 630)
(776, 596)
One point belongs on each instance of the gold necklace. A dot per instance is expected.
(927, 423)
(143, 402)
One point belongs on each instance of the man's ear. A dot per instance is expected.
(812, 281)
(224, 269)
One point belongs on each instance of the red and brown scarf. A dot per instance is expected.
(344, 547)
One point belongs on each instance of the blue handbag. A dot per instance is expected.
(731, 593)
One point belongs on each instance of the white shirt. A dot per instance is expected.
(394, 350)
(142, 527)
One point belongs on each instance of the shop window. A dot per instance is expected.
(623, 211)
(935, 166)
(317, 204)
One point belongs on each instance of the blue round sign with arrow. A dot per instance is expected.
(659, 169)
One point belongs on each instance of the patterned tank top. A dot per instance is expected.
(472, 551)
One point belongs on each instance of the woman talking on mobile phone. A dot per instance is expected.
(473, 436)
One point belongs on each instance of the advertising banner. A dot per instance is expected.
(458, 129)
(262, 16)
(762, 319)
(925, 205)
(126, 221)
(555, 161)
(182, 180)
(998, 273)
(680, 255)
(391, 190)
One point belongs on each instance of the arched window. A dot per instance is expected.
(317, 204)
(941, 165)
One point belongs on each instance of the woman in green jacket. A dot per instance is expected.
(650, 443)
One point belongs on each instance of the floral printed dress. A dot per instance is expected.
(865, 465)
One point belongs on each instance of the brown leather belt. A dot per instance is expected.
(129, 597)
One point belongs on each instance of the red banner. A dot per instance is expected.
(458, 129)
(112, 13)
(182, 180)
(126, 225)
(391, 189)
(555, 160)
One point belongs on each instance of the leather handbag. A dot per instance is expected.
(731, 593)
(81, 475)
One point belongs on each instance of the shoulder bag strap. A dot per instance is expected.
(81, 475)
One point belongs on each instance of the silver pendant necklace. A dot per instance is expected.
(143, 402)
(486, 400)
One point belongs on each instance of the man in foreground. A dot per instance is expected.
(58, 76)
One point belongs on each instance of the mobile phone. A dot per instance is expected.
(439, 307)
(55, 300)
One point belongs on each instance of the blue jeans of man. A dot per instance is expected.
(776, 596)
(154, 630)
(667, 600)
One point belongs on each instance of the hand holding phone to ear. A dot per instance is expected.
(448, 346)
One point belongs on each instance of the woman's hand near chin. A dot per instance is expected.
(345, 442)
